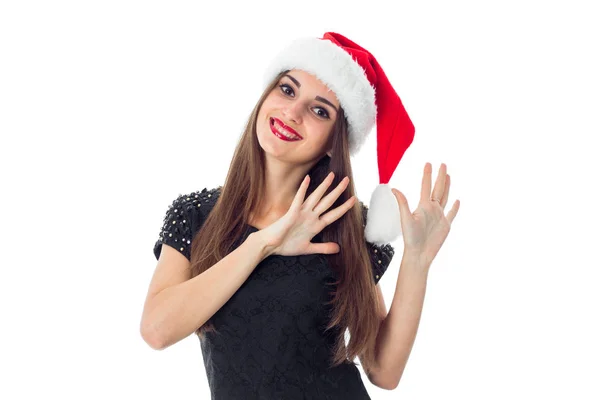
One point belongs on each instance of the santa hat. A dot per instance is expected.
(368, 98)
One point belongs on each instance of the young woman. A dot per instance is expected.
(272, 268)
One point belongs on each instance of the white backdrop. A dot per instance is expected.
(109, 110)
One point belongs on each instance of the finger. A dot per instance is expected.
(453, 211)
(299, 198)
(323, 248)
(402, 203)
(316, 195)
(337, 212)
(328, 200)
(440, 183)
(444, 200)
(426, 183)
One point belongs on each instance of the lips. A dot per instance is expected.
(284, 127)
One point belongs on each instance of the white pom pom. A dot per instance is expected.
(383, 217)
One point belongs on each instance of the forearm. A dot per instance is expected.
(398, 330)
(181, 309)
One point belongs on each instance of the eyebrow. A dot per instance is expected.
(318, 98)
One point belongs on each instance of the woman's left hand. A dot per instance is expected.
(426, 229)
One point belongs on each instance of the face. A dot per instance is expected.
(296, 120)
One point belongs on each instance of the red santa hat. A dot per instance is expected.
(368, 99)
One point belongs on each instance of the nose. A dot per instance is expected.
(293, 112)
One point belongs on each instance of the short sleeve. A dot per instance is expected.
(183, 219)
(380, 255)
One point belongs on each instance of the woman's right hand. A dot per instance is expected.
(291, 235)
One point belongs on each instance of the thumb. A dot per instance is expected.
(402, 203)
(324, 248)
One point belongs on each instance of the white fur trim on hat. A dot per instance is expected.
(383, 217)
(336, 68)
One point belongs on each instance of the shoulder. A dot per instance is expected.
(195, 202)
(191, 209)
(184, 217)
(200, 201)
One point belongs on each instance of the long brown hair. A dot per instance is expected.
(354, 298)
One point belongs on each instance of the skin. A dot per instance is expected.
(426, 229)
(287, 163)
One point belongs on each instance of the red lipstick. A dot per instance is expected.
(290, 131)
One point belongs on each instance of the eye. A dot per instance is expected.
(325, 113)
(284, 87)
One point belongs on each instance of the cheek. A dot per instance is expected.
(261, 125)
(271, 98)
(318, 137)
(325, 133)
(267, 108)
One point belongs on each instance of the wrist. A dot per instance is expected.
(265, 250)
(415, 260)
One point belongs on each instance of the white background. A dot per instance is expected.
(109, 110)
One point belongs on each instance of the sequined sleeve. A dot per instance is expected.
(183, 219)
(380, 255)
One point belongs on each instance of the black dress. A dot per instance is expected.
(270, 342)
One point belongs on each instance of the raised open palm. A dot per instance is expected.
(292, 234)
(426, 229)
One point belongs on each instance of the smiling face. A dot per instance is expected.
(296, 120)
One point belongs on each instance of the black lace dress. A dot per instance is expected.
(270, 342)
